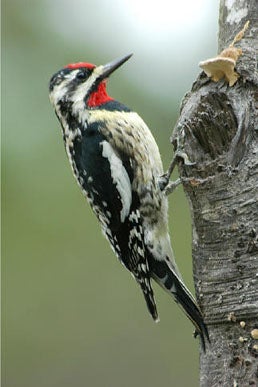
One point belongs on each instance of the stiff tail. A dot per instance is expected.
(165, 277)
(184, 298)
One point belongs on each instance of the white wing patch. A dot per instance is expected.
(120, 178)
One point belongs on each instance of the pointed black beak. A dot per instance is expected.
(108, 68)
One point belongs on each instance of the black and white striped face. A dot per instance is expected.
(72, 84)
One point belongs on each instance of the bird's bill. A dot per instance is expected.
(110, 67)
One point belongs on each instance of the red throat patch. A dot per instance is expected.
(100, 96)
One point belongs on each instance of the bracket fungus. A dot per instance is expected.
(223, 65)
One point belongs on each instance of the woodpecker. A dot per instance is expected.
(117, 164)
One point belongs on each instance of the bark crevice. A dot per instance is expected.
(218, 131)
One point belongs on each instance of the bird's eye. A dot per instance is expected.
(81, 75)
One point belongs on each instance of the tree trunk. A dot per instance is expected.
(218, 130)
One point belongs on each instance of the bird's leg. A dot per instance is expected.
(171, 186)
(164, 183)
(164, 179)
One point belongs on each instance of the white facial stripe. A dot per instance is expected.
(81, 91)
(77, 98)
(120, 179)
(59, 91)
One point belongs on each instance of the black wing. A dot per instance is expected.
(110, 202)
(106, 177)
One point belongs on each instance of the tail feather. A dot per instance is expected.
(185, 300)
(165, 277)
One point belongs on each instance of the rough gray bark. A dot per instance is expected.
(218, 130)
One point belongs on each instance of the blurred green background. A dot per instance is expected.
(72, 315)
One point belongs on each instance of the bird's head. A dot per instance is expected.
(82, 85)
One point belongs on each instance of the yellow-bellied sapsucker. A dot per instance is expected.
(117, 164)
